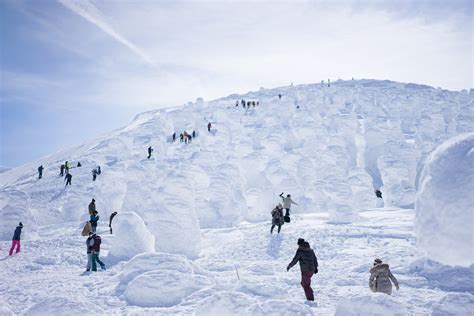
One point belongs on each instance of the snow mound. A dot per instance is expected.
(164, 288)
(445, 203)
(370, 304)
(154, 261)
(131, 237)
(454, 304)
(280, 307)
(61, 306)
(225, 303)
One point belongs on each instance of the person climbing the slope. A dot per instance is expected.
(61, 173)
(287, 201)
(16, 239)
(194, 134)
(94, 219)
(150, 150)
(94, 244)
(67, 165)
(277, 218)
(380, 276)
(209, 125)
(173, 137)
(92, 208)
(40, 172)
(99, 171)
(308, 266)
(89, 251)
(110, 220)
(68, 178)
(94, 174)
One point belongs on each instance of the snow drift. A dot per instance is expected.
(445, 203)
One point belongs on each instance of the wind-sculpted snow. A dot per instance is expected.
(330, 148)
(445, 203)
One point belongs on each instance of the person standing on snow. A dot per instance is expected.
(308, 266)
(16, 239)
(94, 219)
(40, 172)
(68, 178)
(277, 218)
(94, 244)
(89, 252)
(380, 276)
(279, 96)
(99, 171)
(92, 208)
(62, 170)
(67, 165)
(174, 137)
(150, 150)
(110, 220)
(287, 201)
(94, 174)
(209, 125)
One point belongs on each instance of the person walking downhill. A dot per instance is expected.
(287, 201)
(94, 245)
(68, 178)
(40, 172)
(16, 239)
(380, 276)
(277, 218)
(308, 266)
(94, 219)
(110, 220)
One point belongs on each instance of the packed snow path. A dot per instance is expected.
(47, 276)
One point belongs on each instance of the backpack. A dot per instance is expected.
(87, 228)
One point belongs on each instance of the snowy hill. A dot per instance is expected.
(330, 147)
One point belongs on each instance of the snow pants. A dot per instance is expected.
(95, 260)
(15, 243)
(306, 284)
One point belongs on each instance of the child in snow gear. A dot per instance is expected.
(62, 170)
(16, 239)
(87, 229)
(94, 174)
(110, 220)
(89, 251)
(40, 172)
(277, 218)
(150, 150)
(92, 208)
(380, 276)
(94, 244)
(209, 125)
(68, 178)
(94, 219)
(308, 266)
(287, 201)
(378, 194)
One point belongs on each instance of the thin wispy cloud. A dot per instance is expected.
(92, 14)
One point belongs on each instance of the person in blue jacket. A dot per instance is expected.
(94, 220)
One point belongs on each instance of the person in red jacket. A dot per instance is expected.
(94, 247)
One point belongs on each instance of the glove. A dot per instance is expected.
(316, 271)
(397, 287)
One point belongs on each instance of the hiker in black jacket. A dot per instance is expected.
(16, 239)
(308, 266)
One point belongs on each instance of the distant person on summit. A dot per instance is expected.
(287, 201)
(68, 178)
(40, 172)
(16, 239)
(209, 125)
(308, 266)
(150, 150)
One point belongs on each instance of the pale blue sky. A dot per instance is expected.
(73, 69)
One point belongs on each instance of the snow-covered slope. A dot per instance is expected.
(204, 207)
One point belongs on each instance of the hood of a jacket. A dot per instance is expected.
(379, 268)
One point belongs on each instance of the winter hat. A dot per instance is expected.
(93, 200)
(300, 241)
(377, 261)
(288, 195)
(20, 224)
(279, 205)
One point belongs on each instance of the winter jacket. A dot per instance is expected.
(88, 241)
(307, 259)
(277, 216)
(17, 234)
(380, 277)
(94, 243)
(87, 229)
(287, 201)
(92, 208)
(94, 220)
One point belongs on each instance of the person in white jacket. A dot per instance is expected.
(287, 201)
